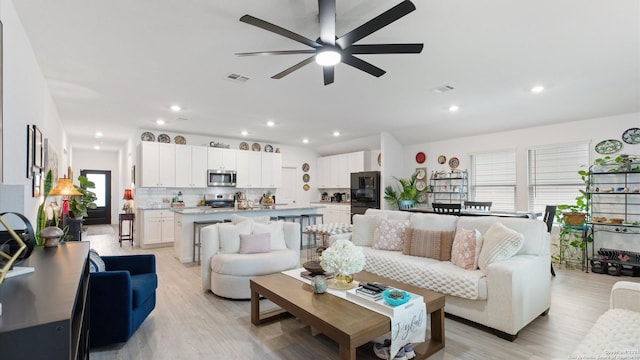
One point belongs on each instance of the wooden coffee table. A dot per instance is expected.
(349, 324)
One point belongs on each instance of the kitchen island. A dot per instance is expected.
(183, 242)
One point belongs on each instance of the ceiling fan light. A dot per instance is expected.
(328, 57)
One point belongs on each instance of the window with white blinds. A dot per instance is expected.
(553, 174)
(493, 178)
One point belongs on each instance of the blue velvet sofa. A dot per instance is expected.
(121, 297)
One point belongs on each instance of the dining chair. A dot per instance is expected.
(478, 205)
(549, 215)
(442, 208)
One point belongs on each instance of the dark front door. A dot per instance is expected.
(101, 214)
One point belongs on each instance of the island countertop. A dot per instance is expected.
(222, 211)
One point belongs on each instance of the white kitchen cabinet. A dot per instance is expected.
(249, 169)
(191, 166)
(355, 163)
(157, 164)
(340, 177)
(322, 172)
(157, 228)
(337, 214)
(271, 170)
(221, 159)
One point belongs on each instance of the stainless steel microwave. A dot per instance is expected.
(221, 178)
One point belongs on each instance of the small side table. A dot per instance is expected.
(129, 236)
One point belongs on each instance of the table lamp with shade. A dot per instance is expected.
(127, 207)
(65, 188)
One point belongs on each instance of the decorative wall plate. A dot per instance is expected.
(268, 148)
(180, 140)
(608, 146)
(379, 159)
(422, 198)
(244, 146)
(306, 178)
(420, 157)
(442, 159)
(631, 136)
(255, 147)
(454, 162)
(164, 138)
(305, 167)
(421, 173)
(147, 136)
(421, 185)
(306, 187)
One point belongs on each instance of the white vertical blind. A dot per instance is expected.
(553, 174)
(493, 178)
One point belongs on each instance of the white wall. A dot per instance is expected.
(393, 163)
(87, 159)
(26, 101)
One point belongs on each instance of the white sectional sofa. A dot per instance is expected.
(505, 297)
(616, 333)
(226, 270)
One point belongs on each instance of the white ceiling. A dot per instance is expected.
(115, 66)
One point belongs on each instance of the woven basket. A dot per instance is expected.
(574, 219)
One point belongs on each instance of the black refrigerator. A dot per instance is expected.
(365, 191)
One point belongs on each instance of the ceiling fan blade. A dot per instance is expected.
(328, 72)
(363, 65)
(280, 52)
(386, 49)
(278, 30)
(376, 24)
(295, 67)
(327, 15)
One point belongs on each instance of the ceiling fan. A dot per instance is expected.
(329, 50)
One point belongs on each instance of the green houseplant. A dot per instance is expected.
(79, 204)
(405, 194)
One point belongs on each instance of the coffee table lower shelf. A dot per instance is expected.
(349, 324)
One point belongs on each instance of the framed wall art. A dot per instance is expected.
(30, 137)
(50, 159)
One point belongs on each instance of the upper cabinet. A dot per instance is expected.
(157, 164)
(335, 171)
(191, 166)
(271, 170)
(221, 159)
(249, 169)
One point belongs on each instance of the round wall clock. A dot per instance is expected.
(420, 157)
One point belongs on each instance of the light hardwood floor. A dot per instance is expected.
(190, 324)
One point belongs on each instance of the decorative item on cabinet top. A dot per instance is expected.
(255, 147)
(268, 148)
(219, 145)
(244, 146)
(180, 140)
(164, 138)
(147, 136)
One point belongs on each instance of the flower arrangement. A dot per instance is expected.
(342, 258)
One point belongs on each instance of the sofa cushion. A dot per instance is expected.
(389, 234)
(254, 264)
(433, 222)
(466, 248)
(615, 332)
(499, 243)
(230, 235)
(143, 286)
(364, 228)
(534, 231)
(427, 243)
(255, 243)
(389, 214)
(238, 219)
(276, 231)
(96, 264)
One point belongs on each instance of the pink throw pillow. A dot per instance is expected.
(390, 234)
(466, 248)
(255, 243)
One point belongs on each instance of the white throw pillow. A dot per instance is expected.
(276, 229)
(363, 228)
(229, 235)
(238, 219)
(499, 243)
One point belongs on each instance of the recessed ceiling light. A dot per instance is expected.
(270, 123)
(175, 108)
(305, 140)
(99, 134)
(453, 108)
(97, 147)
(244, 133)
(336, 133)
(537, 89)
(160, 122)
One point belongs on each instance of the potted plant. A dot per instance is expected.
(79, 204)
(405, 194)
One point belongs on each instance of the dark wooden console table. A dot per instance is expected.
(45, 314)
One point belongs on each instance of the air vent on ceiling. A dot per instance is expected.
(443, 89)
(237, 78)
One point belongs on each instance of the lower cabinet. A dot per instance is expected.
(337, 214)
(157, 228)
